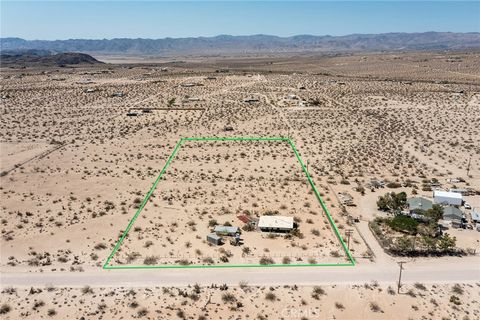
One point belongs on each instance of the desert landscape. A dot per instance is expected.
(82, 145)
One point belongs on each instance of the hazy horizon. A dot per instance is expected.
(160, 19)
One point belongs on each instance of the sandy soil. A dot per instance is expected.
(396, 117)
(368, 301)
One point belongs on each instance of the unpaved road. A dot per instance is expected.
(447, 270)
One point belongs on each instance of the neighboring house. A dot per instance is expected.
(454, 215)
(419, 203)
(275, 224)
(475, 215)
(447, 198)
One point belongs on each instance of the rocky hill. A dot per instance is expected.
(44, 58)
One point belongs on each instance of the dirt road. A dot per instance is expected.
(447, 270)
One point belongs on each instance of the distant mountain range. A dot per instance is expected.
(224, 44)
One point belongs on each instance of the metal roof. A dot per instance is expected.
(475, 214)
(419, 203)
(225, 229)
(275, 222)
(439, 193)
(452, 213)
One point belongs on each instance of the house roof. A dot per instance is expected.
(214, 236)
(439, 193)
(476, 214)
(452, 213)
(419, 203)
(225, 229)
(275, 222)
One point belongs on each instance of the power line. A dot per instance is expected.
(400, 275)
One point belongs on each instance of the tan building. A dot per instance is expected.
(275, 224)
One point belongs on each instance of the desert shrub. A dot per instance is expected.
(404, 224)
(142, 312)
(455, 300)
(248, 227)
(228, 297)
(375, 307)
(392, 201)
(457, 289)
(5, 308)
(183, 262)
(87, 290)
(208, 260)
(270, 296)
(420, 286)
(286, 260)
(266, 260)
(317, 292)
(100, 246)
(150, 260)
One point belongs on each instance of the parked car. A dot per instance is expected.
(467, 206)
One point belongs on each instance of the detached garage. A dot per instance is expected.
(449, 198)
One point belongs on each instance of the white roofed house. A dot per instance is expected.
(276, 224)
(447, 198)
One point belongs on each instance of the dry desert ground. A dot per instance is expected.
(82, 145)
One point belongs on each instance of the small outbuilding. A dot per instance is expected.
(447, 198)
(226, 230)
(215, 239)
(275, 224)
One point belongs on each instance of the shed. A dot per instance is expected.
(419, 203)
(275, 223)
(449, 198)
(214, 239)
(226, 230)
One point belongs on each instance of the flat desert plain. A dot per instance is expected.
(81, 146)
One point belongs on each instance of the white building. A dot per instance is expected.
(445, 197)
(275, 223)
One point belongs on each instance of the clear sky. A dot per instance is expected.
(160, 19)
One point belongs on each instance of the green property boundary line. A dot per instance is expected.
(351, 262)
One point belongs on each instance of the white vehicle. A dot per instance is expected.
(467, 206)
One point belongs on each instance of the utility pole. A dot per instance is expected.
(400, 275)
(468, 166)
(348, 232)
